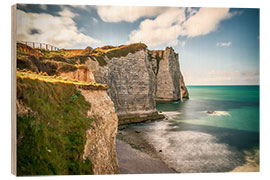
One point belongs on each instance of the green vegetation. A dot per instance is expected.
(51, 139)
(32, 59)
(101, 60)
(111, 51)
(52, 134)
(79, 59)
(50, 66)
(52, 62)
(21, 55)
(63, 66)
(124, 50)
(49, 54)
(72, 56)
(107, 47)
(26, 74)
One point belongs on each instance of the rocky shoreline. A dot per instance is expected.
(134, 142)
(133, 137)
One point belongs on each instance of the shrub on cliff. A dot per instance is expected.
(111, 52)
(125, 49)
(51, 139)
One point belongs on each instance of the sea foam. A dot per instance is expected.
(192, 151)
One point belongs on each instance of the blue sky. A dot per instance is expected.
(216, 46)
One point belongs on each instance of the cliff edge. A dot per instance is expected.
(64, 126)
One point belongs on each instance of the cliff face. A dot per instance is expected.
(131, 86)
(100, 144)
(167, 75)
(64, 127)
(131, 83)
(81, 74)
(184, 91)
(100, 73)
(137, 78)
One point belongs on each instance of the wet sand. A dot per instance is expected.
(132, 161)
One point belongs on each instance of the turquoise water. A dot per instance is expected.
(193, 140)
(240, 104)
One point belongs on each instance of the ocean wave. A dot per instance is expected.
(192, 151)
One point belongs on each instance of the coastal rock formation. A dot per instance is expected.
(137, 78)
(167, 75)
(131, 82)
(132, 86)
(100, 143)
(100, 73)
(58, 102)
(184, 91)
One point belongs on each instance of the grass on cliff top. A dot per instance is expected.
(73, 56)
(26, 74)
(49, 54)
(51, 138)
(70, 56)
(120, 51)
(64, 63)
(63, 66)
(52, 67)
(24, 49)
(123, 50)
(36, 60)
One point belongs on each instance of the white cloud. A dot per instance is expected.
(205, 21)
(60, 31)
(127, 13)
(164, 29)
(172, 23)
(224, 44)
(66, 13)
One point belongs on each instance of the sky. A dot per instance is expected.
(216, 46)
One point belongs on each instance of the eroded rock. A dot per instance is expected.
(100, 144)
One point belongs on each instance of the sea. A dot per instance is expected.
(216, 130)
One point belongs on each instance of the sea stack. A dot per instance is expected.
(167, 75)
